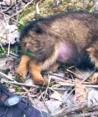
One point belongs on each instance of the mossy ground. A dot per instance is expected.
(47, 8)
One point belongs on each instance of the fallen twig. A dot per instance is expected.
(5, 76)
(89, 114)
(72, 111)
(20, 84)
(73, 84)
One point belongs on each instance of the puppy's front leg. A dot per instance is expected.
(35, 70)
(23, 67)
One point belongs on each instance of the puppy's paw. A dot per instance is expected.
(19, 78)
(40, 81)
(94, 79)
(21, 73)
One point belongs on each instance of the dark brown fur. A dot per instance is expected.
(48, 37)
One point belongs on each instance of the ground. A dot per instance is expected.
(69, 92)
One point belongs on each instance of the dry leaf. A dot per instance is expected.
(80, 91)
(92, 98)
(56, 96)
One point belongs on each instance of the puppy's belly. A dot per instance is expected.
(67, 53)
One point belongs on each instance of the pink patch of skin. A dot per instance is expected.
(67, 52)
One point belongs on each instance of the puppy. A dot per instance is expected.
(62, 38)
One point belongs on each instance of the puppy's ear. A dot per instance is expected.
(40, 28)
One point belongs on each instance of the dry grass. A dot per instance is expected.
(58, 83)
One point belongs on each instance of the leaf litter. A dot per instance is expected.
(70, 93)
